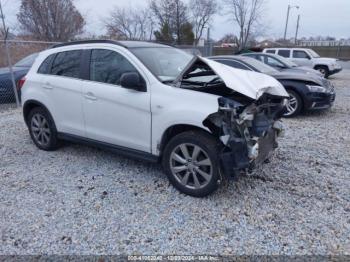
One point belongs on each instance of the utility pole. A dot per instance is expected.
(8, 55)
(209, 51)
(287, 20)
(297, 30)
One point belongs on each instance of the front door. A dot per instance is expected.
(302, 58)
(114, 114)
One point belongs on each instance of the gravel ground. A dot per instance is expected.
(81, 200)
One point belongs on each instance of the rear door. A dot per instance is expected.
(62, 85)
(114, 114)
(302, 58)
(286, 53)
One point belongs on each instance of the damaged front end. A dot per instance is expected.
(250, 106)
(249, 132)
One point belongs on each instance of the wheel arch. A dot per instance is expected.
(29, 105)
(176, 129)
(321, 65)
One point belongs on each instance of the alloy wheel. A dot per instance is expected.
(191, 166)
(292, 105)
(40, 129)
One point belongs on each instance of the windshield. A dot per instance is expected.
(259, 66)
(166, 63)
(27, 61)
(313, 53)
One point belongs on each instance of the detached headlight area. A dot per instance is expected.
(319, 89)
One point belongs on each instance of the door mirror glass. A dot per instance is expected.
(132, 80)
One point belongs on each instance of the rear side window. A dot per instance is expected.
(300, 54)
(284, 53)
(271, 51)
(67, 64)
(107, 66)
(45, 67)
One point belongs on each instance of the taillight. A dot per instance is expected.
(20, 83)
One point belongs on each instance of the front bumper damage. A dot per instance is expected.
(249, 133)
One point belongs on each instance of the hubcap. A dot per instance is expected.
(40, 129)
(191, 166)
(292, 105)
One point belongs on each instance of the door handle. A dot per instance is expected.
(47, 85)
(90, 96)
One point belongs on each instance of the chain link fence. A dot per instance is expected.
(16, 58)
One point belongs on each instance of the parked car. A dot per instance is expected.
(20, 69)
(308, 57)
(202, 120)
(305, 91)
(282, 64)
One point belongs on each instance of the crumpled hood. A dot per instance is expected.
(248, 83)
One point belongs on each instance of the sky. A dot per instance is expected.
(318, 17)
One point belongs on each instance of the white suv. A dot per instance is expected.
(308, 57)
(201, 119)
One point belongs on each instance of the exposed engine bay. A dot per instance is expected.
(247, 127)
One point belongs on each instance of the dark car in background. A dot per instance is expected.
(306, 91)
(20, 69)
(282, 64)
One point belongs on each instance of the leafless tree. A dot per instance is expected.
(162, 11)
(247, 15)
(130, 24)
(202, 11)
(50, 20)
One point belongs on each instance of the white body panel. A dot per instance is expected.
(117, 115)
(173, 106)
(66, 103)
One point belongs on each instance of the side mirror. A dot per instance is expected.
(132, 80)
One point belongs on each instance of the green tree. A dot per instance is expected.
(164, 34)
(186, 34)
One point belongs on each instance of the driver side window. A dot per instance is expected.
(107, 66)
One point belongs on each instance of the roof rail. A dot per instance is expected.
(81, 42)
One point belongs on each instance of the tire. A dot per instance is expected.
(42, 129)
(323, 70)
(191, 162)
(296, 106)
